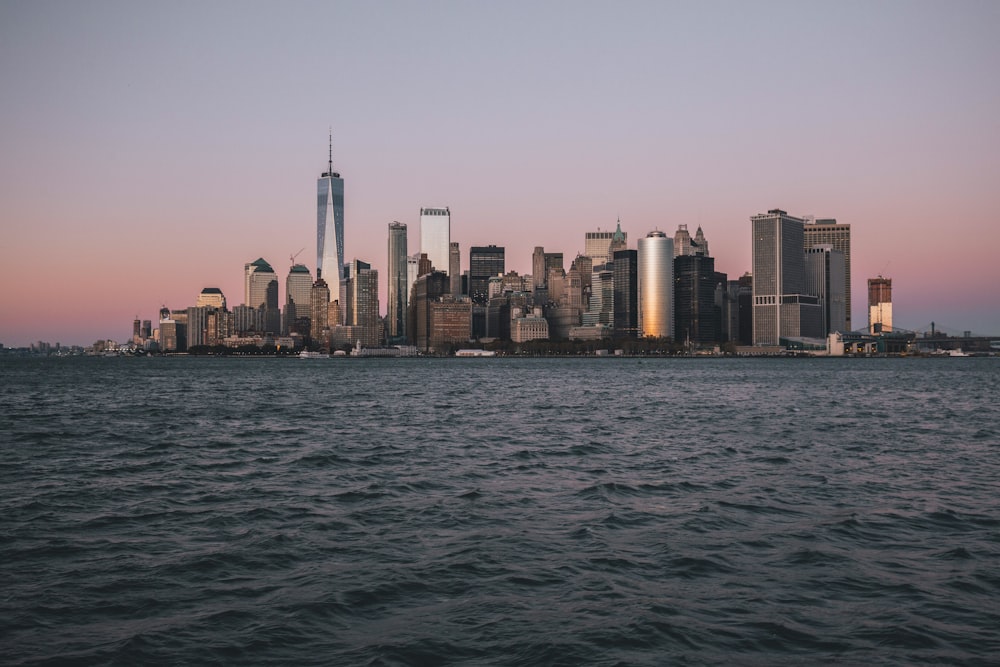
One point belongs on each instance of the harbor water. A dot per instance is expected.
(499, 511)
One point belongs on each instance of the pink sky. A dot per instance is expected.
(149, 151)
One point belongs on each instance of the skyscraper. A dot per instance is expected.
(696, 317)
(262, 292)
(824, 275)
(597, 245)
(298, 298)
(484, 263)
(319, 301)
(626, 293)
(781, 309)
(211, 296)
(879, 305)
(362, 308)
(330, 227)
(455, 268)
(829, 232)
(538, 272)
(435, 237)
(398, 292)
(685, 245)
(656, 285)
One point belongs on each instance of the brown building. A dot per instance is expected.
(450, 323)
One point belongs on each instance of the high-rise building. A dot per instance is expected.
(455, 269)
(597, 245)
(781, 307)
(330, 227)
(829, 232)
(879, 305)
(696, 317)
(656, 285)
(262, 292)
(626, 293)
(685, 245)
(298, 300)
(362, 307)
(428, 288)
(248, 320)
(538, 272)
(319, 323)
(435, 237)
(398, 286)
(484, 263)
(824, 275)
(212, 296)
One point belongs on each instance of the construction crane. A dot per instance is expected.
(291, 258)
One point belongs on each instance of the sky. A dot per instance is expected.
(149, 150)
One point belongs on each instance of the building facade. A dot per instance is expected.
(435, 237)
(827, 231)
(455, 268)
(262, 292)
(626, 293)
(211, 296)
(485, 262)
(330, 227)
(697, 319)
(362, 307)
(398, 288)
(879, 305)
(781, 308)
(824, 275)
(298, 300)
(656, 285)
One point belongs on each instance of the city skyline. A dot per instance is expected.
(168, 147)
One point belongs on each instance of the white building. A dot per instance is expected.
(435, 237)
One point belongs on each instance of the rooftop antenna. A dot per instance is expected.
(331, 150)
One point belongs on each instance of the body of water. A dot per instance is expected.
(500, 511)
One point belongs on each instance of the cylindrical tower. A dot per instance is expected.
(656, 285)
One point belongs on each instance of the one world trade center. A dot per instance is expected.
(330, 228)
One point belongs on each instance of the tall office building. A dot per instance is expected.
(685, 245)
(626, 293)
(362, 308)
(435, 237)
(398, 285)
(597, 245)
(828, 232)
(211, 296)
(298, 299)
(262, 292)
(825, 278)
(656, 285)
(319, 301)
(484, 262)
(781, 308)
(455, 269)
(879, 305)
(696, 316)
(538, 272)
(330, 227)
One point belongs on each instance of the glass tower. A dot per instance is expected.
(330, 227)
(485, 262)
(656, 285)
(398, 283)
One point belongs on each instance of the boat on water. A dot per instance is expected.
(306, 354)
